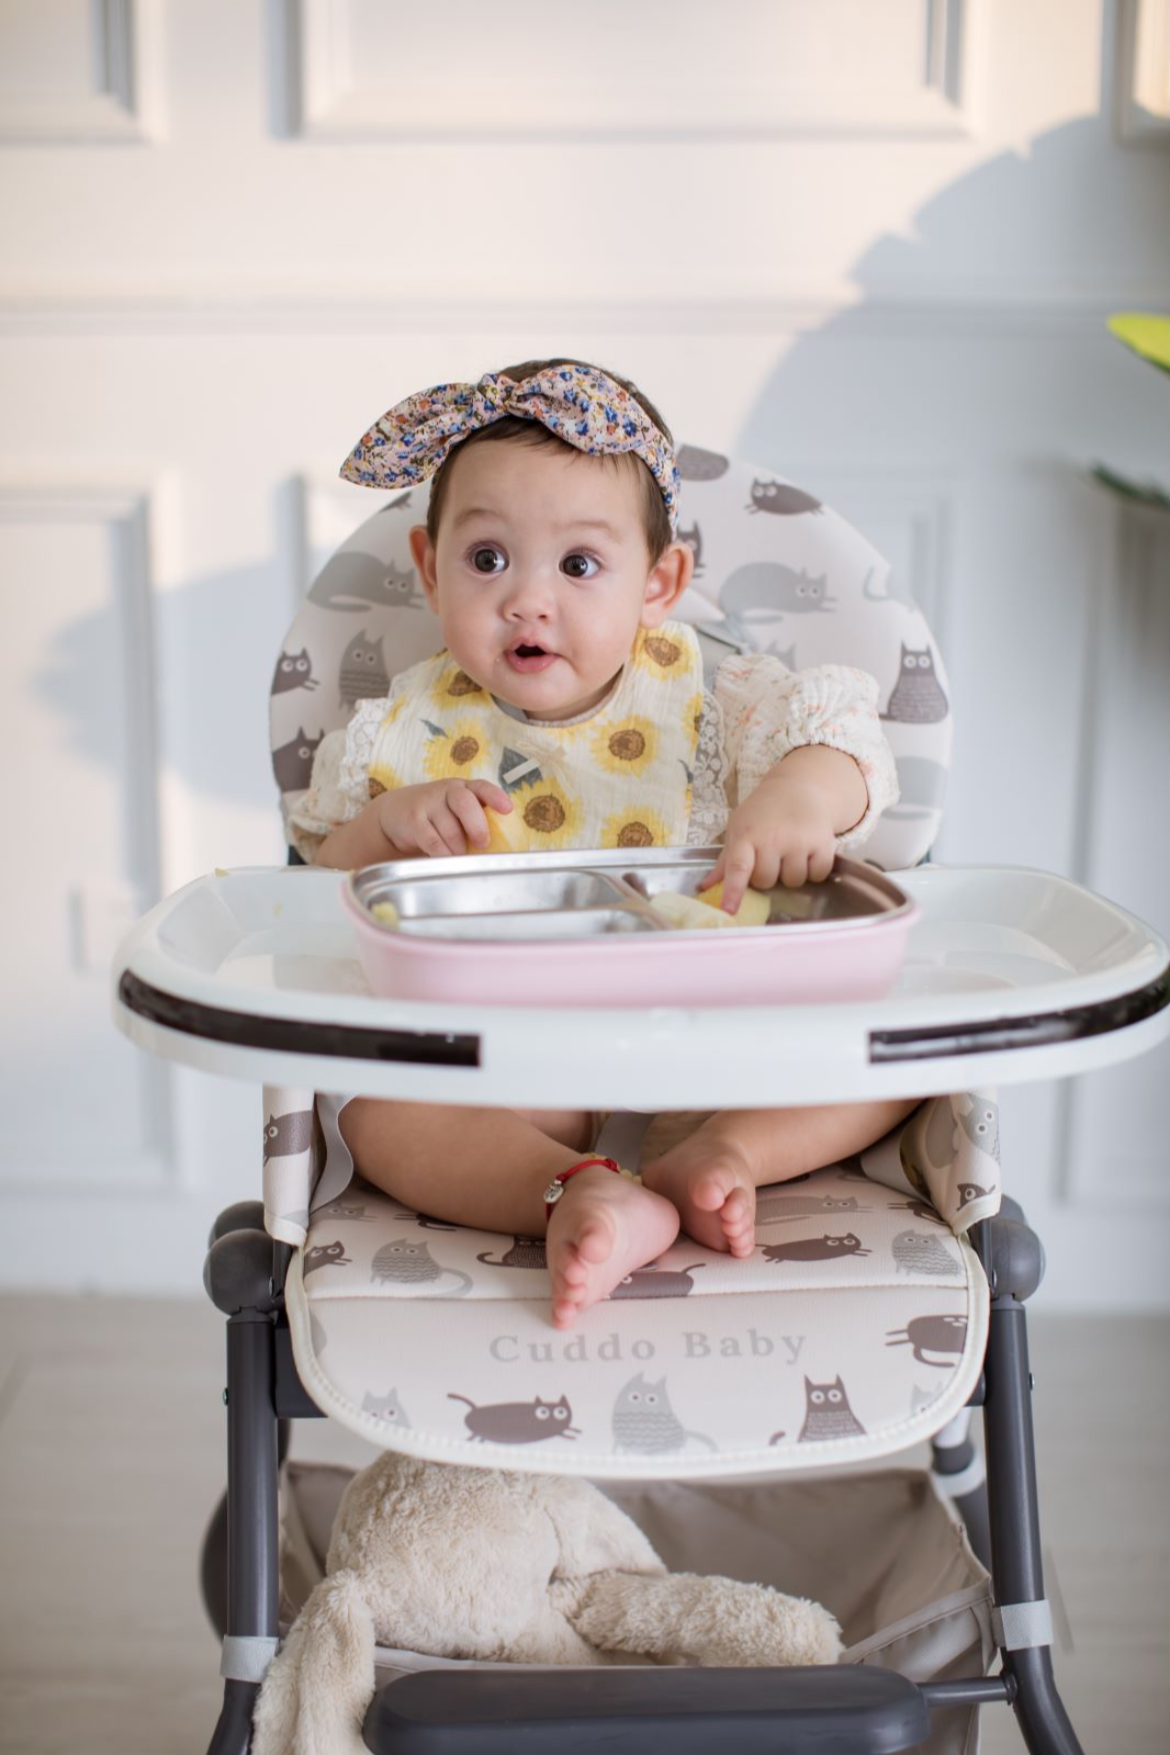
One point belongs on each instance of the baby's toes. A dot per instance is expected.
(571, 1272)
(738, 1218)
(594, 1244)
(712, 1187)
(565, 1311)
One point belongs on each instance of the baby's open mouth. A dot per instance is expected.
(528, 656)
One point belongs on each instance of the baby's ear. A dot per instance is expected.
(423, 552)
(667, 580)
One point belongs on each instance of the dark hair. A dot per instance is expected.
(511, 429)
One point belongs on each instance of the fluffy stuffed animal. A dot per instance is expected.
(519, 1568)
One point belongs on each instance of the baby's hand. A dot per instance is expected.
(440, 816)
(782, 833)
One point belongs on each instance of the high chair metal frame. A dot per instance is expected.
(176, 1000)
(842, 1709)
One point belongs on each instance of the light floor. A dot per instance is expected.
(112, 1455)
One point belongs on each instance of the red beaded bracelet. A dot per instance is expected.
(556, 1187)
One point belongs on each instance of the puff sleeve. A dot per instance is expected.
(769, 710)
(339, 785)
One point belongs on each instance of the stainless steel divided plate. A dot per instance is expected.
(582, 895)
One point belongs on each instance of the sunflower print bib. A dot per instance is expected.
(620, 778)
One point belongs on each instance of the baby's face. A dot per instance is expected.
(541, 575)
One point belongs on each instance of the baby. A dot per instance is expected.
(569, 705)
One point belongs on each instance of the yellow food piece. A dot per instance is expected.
(752, 911)
(501, 828)
(685, 912)
(386, 912)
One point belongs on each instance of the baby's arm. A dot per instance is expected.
(436, 818)
(786, 830)
(813, 768)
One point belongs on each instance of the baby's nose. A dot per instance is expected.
(529, 595)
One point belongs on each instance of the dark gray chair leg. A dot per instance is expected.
(213, 1561)
(238, 1276)
(1014, 1264)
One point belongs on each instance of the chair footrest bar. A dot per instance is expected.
(835, 1710)
(973, 1691)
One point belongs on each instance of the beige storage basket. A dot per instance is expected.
(882, 1550)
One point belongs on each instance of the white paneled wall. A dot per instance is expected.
(870, 243)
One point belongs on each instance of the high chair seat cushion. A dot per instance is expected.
(856, 1329)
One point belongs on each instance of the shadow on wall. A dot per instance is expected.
(958, 432)
(995, 232)
(222, 635)
(871, 386)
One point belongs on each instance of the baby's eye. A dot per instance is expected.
(488, 559)
(579, 566)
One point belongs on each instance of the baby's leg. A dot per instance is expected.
(712, 1176)
(488, 1168)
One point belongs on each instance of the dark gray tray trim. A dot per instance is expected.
(1037, 1030)
(291, 1035)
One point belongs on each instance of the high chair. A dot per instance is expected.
(760, 1373)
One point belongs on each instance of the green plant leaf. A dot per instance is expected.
(1140, 493)
(1147, 333)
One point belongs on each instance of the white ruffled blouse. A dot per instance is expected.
(756, 713)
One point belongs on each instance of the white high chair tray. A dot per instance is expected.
(1011, 976)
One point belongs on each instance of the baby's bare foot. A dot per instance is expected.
(711, 1180)
(602, 1228)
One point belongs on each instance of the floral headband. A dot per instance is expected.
(584, 407)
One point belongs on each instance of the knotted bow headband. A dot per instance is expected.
(584, 407)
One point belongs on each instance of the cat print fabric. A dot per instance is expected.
(779, 578)
(644, 1421)
(656, 764)
(294, 1153)
(294, 670)
(917, 697)
(517, 1422)
(695, 1363)
(293, 761)
(827, 1413)
(946, 1156)
(363, 670)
